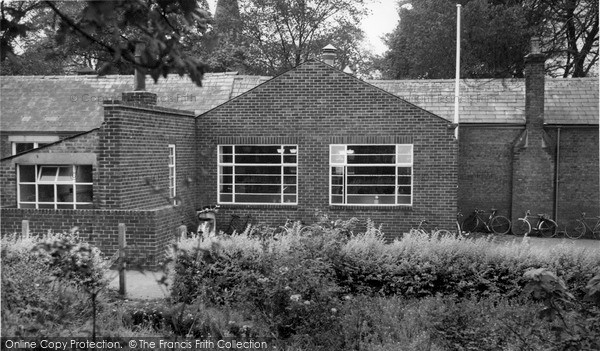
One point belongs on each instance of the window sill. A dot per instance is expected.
(267, 206)
(371, 207)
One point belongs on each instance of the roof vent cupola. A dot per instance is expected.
(329, 54)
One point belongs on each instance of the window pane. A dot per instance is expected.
(65, 206)
(84, 206)
(226, 179)
(337, 190)
(371, 179)
(289, 180)
(289, 159)
(404, 190)
(373, 149)
(22, 147)
(359, 159)
(46, 206)
(65, 193)
(27, 205)
(404, 171)
(259, 170)
(404, 180)
(337, 170)
(255, 179)
(48, 174)
(84, 174)
(365, 189)
(404, 158)
(227, 189)
(337, 199)
(257, 159)
(289, 189)
(337, 180)
(226, 158)
(404, 200)
(226, 198)
(27, 193)
(226, 170)
(252, 198)
(405, 149)
(46, 193)
(27, 173)
(338, 158)
(228, 149)
(289, 170)
(289, 198)
(258, 149)
(85, 193)
(383, 170)
(257, 189)
(65, 174)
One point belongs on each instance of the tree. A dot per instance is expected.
(114, 29)
(281, 34)
(493, 41)
(569, 33)
(494, 38)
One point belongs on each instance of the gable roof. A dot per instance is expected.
(74, 103)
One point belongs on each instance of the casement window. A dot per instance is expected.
(258, 174)
(377, 175)
(22, 143)
(57, 187)
(172, 172)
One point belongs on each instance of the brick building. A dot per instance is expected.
(311, 138)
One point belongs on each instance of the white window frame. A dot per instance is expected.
(285, 198)
(339, 158)
(172, 172)
(73, 204)
(36, 140)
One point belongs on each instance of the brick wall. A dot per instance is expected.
(146, 233)
(133, 157)
(578, 173)
(315, 106)
(485, 168)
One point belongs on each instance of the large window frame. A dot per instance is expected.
(257, 174)
(55, 186)
(371, 174)
(23, 143)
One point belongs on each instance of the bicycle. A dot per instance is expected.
(206, 220)
(238, 224)
(423, 228)
(581, 228)
(496, 224)
(545, 227)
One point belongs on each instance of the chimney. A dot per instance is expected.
(329, 54)
(534, 87)
(139, 95)
(139, 76)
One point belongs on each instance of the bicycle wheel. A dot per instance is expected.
(596, 231)
(521, 227)
(576, 231)
(500, 225)
(443, 232)
(471, 224)
(548, 228)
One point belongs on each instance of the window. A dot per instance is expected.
(172, 172)
(258, 174)
(22, 143)
(56, 187)
(371, 174)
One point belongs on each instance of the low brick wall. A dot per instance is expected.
(148, 231)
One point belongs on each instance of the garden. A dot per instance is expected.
(329, 288)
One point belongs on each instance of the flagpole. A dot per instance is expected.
(457, 83)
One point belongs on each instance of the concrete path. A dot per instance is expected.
(140, 285)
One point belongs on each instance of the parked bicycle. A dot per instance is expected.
(238, 224)
(423, 228)
(494, 223)
(544, 226)
(581, 228)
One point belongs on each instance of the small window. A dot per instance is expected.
(378, 175)
(57, 187)
(258, 174)
(172, 172)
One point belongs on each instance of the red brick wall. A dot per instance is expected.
(485, 168)
(578, 174)
(315, 106)
(133, 157)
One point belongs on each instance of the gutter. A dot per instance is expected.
(556, 180)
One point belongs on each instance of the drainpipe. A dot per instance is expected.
(556, 175)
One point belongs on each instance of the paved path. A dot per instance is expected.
(140, 285)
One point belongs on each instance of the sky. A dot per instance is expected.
(383, 20)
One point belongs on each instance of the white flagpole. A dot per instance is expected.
(457, 83)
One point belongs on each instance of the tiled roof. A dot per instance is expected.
(74, 103)
(567, 101)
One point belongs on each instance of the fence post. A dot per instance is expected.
(25, 228)
(122, 263)
(181, 232)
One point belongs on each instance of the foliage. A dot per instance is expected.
(295, 284)
(112, 30)
(42, 283)
(575, 324)
(494, 38)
